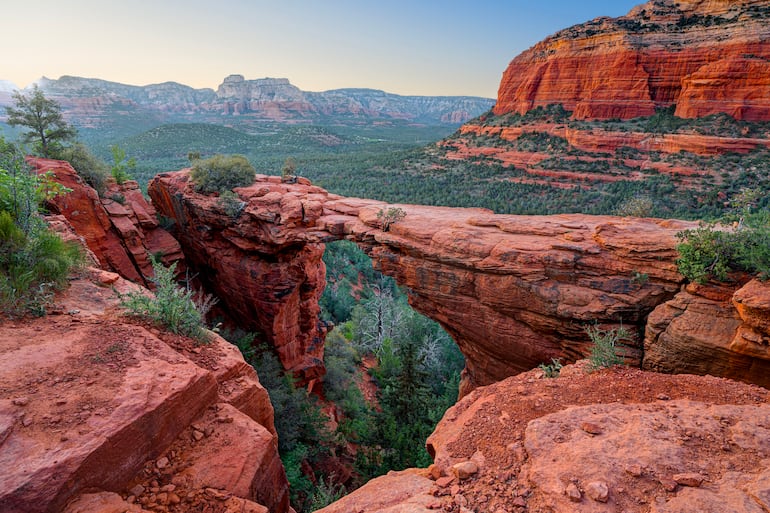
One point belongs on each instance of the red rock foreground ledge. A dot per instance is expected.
(513, 291)
(109, 416)
(613, 440)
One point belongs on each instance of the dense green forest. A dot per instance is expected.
(403, 164)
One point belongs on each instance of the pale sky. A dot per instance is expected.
(423, 47)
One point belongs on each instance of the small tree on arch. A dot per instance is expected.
(390, 216)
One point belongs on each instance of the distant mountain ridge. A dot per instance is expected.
(6, 86)
(90, 103)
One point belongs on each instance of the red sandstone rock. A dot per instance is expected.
(701, 331)
(103, 502)
(83, 210)
(661, 53)
(87, 399)
(734, 85)
(598, 142)
(267, 278)
(513, 291)
(240, 457)
(122, 236)
(538, 458)
(407, 491)
(753, 304)
(710, 427)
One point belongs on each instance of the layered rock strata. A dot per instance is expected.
(95, 103)
(719, 330)
(513, 291)
(703, 57)
(260, 264)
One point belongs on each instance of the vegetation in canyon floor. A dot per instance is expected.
(604, 348)
(390, 375)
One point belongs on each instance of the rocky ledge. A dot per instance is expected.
(99, 414)
(612, 440)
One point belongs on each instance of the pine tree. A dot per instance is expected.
(43, 117)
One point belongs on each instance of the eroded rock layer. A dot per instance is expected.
(120, 228)
(513, 291)
(269, 278)
(703, 57)
(720, 330)
(113, 416)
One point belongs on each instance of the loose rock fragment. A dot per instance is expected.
(598, 491)
(465, 469)
(573, 493)
(689, 479)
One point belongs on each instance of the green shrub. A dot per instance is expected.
(221, 173)
(603, 352)
(172, 307)
(638, 206)
(551, 370)
(32, 267)
(93, 170)
(325, 493)
(121, 165)
(230, 203)
(640, 278)
(710, 253)
(390, 217)
(34, 262)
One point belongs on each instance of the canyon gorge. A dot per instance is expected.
(100, 412)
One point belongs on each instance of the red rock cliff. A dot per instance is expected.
(704, 57)
(269, 278)
(120, 228)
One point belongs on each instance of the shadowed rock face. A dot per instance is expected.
(513, 291)
(703, 57)
(718, 330)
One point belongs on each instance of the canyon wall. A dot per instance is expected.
(513, 291)
(120, 228)
(703, 57)
(639, 98)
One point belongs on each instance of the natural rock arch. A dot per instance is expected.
(513, 291)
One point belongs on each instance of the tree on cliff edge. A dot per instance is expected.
(42, 116)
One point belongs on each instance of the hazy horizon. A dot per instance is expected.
(428, 47)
